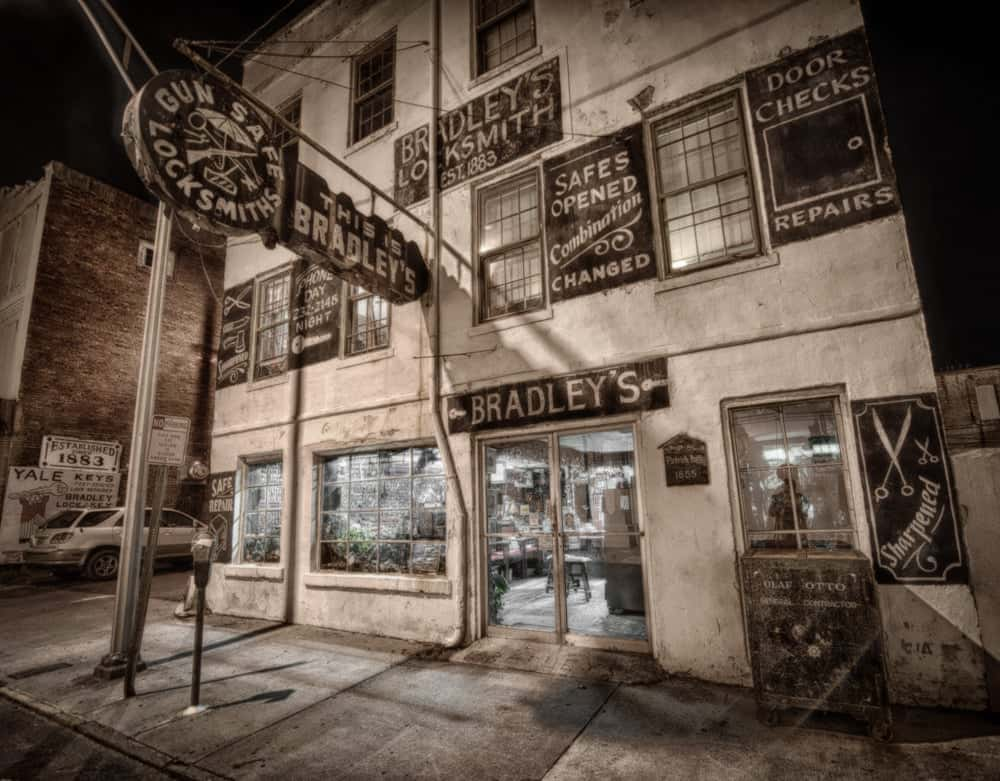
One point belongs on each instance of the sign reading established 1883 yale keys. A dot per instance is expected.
(908, 490)
(629, 387)
(198, 146)
(597, 217)
(503, 124)
(821, 140)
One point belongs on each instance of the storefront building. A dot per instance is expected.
(679, 324)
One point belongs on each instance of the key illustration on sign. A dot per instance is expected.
(34, 503)
(909, 491)
(217, 132)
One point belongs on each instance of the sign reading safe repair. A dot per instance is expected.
(629, 387)
(822, 141)
(909, 491)
(597, 217)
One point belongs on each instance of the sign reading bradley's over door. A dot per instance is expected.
(908, 490)
(234, 340)
(597, 216)
(685, 460)
(503, 124)
(821, 140)
(629, 387)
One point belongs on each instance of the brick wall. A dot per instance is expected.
(85, 333)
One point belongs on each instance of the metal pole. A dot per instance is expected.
(199, 630)
(148, 562)
(113, 664)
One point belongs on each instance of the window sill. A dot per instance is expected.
(511, 321)
(503, 69)
(374, 356)
(729, 269)
(267, 382)
(271, 572)
(372, 138)
(400, 584)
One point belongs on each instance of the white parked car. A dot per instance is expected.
(89, 541)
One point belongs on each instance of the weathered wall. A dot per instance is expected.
(964, 426)
(840, 313)
(85, 332)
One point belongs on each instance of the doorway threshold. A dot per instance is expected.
(563, 660)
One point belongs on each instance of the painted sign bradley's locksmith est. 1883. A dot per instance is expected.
(504, 123)
(909, 491)
(197, 146)
(821, 140)
(597, 216)
(629, 387)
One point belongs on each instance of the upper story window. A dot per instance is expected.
(987, 402)
(705, 191)
(291, 112)
(510, 248)
(144, 258)
(792, 475)
(373, 88)
(367, 321)
(272, 316)
(504, 29)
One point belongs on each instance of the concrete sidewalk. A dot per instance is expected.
(300, 702)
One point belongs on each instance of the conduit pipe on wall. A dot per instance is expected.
(461, 525)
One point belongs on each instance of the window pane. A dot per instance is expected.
(394, 524)
(430, 524)
(364, 526)
(334, 526)
(363, 557)
(394, 557)
(394, 493)
(824, 497)
(333, 555)
(428, 492)
(334, 497)
(427, 559)
(426, 461)
(364, 495)
(758, 438)
(364, 466)
(336, 469)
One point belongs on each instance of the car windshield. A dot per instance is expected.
(95, 518)
(63, 520)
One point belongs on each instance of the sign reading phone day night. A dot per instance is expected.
(199, 146)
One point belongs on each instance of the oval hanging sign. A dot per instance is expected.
(198, 146)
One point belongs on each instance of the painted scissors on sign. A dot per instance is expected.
(893, 450)
(928, 457)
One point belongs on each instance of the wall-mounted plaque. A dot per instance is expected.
(685, 460)
(234, 340)
(629, 387)
(597, 223)
(908, 490)
(509, 121)
(821, 140)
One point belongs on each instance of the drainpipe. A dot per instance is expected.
(461, 525)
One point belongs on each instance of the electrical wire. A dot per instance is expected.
(274, 16)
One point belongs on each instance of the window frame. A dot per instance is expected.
(259, 282)
(240, 487)
(283, 137)
(387, 41)
(317, 536)
(348, 298)
(734, 93)
(145, 249)
(481, 27)
(848, 472)
(482, 287)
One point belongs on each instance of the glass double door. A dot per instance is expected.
(562, 537)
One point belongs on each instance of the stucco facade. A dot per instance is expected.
(836, 316)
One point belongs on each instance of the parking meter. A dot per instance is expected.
(202, 548)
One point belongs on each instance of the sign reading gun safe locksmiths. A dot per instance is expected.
(80, 453)
(198, 146)
(821, 140)
(908, 490)
(597, 218)
(629, 387)
(511, 120)
(168, 440)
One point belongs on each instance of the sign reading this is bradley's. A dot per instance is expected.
(909, 491)
(629, 387)
(517, 117)
(598, 227)
(198, 146)
(326, 227)
(821, 140)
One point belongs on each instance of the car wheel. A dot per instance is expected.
(103, 565)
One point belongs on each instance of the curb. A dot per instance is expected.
(108, 737)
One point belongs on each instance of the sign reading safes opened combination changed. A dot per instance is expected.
(821, 140)
(597, 220)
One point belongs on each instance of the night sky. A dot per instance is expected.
(62, 99)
